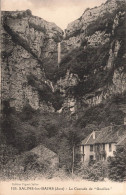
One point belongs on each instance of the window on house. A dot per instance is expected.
(91, 148)
(83, 149)
(110, 147)
(91, 157)
(103, 147)
(98, 147)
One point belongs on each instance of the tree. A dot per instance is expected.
(7, 124)
(117, 165)
(28, 11)
(69, 139)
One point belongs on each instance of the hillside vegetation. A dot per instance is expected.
(29, 128)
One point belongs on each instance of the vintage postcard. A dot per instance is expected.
(63, 97)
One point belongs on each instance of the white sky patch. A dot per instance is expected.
(60, 12)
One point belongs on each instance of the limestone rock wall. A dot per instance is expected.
(89, 16)
(75, 33)
(26, 41)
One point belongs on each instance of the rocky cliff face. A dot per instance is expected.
(93, 59)
(26, 42)
(98, 32)
(77, 30)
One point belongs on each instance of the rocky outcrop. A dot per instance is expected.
(79, 30)
(26, 41)
(90, 16)
(97, 28)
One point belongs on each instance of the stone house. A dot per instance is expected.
(99, 145)
(87, 147)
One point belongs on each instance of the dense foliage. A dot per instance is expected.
(94, 172)
(84, 63)
(29, 128)
(45, 92)
(120, 34)
(117, 165)
(104, 114)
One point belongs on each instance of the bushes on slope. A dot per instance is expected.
(117, 165)
(105, 113)
(95, 172)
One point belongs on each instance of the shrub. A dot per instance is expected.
(37, 27)
(57, 100)
(26, 166)
(84, 43)
(7, 124)
(19, 16)
(31, 162)
(32, 80)
(95, 172)
(17, 133)
(74, 33)
(7, 152)
(120, 33)
(28, 11)
(107, 113)
(103, 23)
(117, 165)
(27, 113)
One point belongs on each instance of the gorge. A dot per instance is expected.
(58, 86)
(36, 42)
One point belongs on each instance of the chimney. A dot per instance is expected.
(93, 134)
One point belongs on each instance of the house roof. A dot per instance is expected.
(110, 134)
(122, 141)
(44, 153)
(89, 139)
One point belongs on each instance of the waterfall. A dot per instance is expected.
(59, 52)
(64, 35)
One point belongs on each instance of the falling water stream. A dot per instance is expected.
(59, 52)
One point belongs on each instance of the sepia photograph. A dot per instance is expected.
(63, 97)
